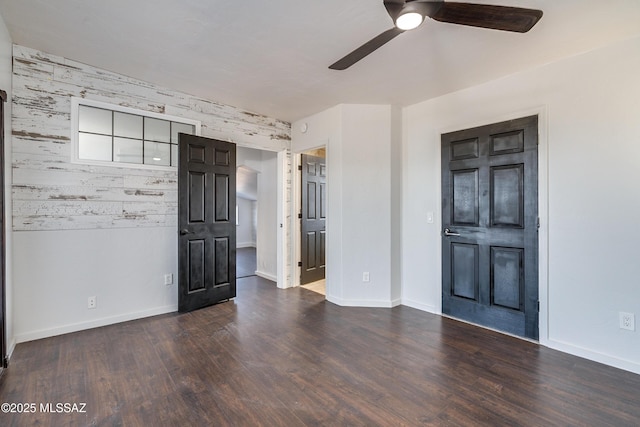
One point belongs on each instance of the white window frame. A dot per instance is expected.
(75, 106)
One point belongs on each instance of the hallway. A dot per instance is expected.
(245, 262)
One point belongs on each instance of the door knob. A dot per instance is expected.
(448, 232)
(184, 232)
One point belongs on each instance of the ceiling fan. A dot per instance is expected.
(409, 14)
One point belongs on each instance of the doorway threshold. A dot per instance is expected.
(318, 286)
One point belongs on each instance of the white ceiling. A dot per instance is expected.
(271, 57)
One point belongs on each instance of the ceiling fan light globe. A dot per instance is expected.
(409, 21)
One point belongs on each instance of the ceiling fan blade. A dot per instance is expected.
(502, 18)
(366, 49)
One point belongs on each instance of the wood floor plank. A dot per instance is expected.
(287, 357)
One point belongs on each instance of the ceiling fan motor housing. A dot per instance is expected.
(424, 8)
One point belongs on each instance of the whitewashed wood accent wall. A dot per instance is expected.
(51, 193)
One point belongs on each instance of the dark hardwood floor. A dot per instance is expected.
(246, 264)
(288, 358)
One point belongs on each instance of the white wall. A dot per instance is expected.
(254, 222)
(589, 172)
(589, 153)
(246, 228)
(365, 207)
(249, 157)
(5, 84)
(363, 143)
(123, 268)
(395, 199)
(267, 230)
(101, 231)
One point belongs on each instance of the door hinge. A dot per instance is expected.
(538, 306)
(299, 263)
(300, 215)
(538, 223)
(299, 167)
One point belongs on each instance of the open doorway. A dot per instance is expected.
(246, 221)
(256, 213)
(312, 214)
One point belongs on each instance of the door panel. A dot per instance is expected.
(508, 142)
(464, 270)
(196, 197)
(206, 212)
(223, 209)
(311, 251)
(222, 260)
(311, 200)
(507, 281)
(489, 211)
(196, 265)
(507, 197)
(313, 218)
(466, 149)
(465, 197)
(322, 246)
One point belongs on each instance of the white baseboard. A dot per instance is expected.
(11, 346)
(266, 276)
(595, 356)
(363, 303)
(564, 347)
(246, 245)
(420, 306)
(66, 329)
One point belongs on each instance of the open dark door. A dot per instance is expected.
(313, 218)
(3, 257)
(206, 222)
(490, 222)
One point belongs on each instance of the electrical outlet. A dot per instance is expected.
(168, 279)
(365, 276)
(92, 302)
(627, 321)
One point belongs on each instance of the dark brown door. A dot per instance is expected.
(490, 226)
(313, 218)
(206, 222)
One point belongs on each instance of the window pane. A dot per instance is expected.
(156, 153)
(94, 120)
(115, 136)
(128, 125)
(174, 155)
(94, 147)
(156, 130)
(127, 150)
(180, 128)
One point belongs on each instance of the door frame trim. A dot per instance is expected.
(543, 202)
(4, 345)
(282, 261)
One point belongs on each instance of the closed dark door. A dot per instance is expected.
(490, 226)
(313, 217)
(206, 222)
